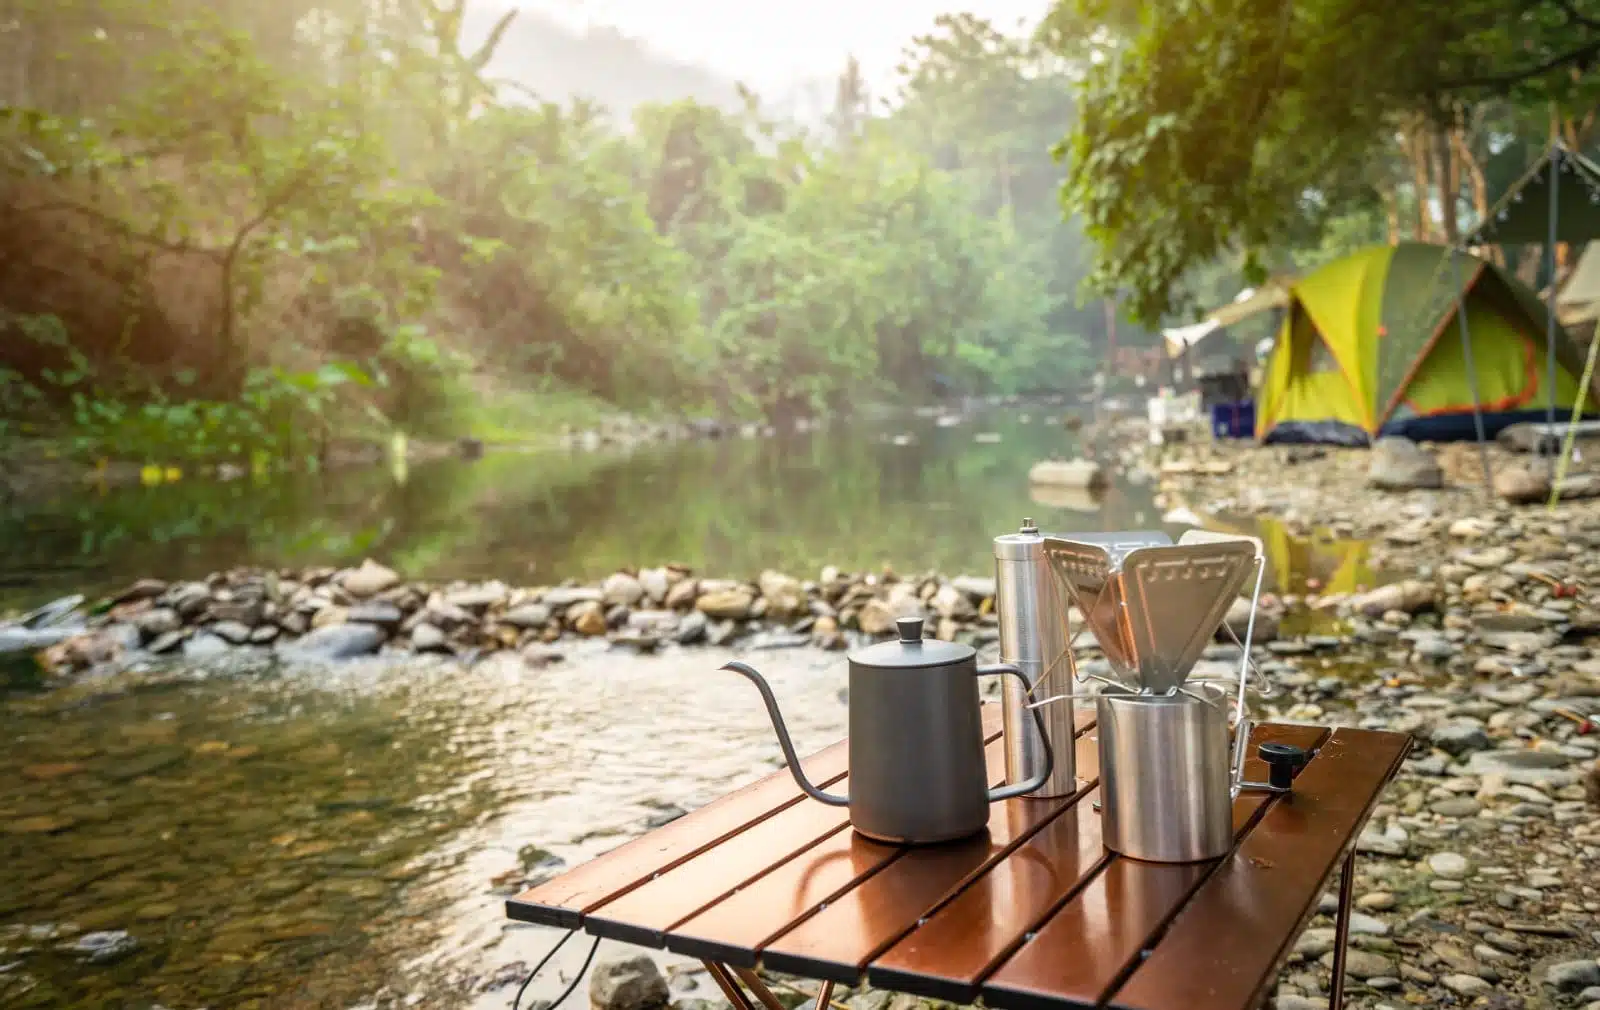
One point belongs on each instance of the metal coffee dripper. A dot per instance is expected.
(1167, 775)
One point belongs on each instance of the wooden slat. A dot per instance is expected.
(1086, 948)
(947, 957)
(837, 942)
(643, 914)
(564, 900)
(1226, 946)
(734, 929)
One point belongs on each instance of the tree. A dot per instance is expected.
(1253, 124)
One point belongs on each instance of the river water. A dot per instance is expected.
(268, 837)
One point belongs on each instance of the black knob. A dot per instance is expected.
(1283, 761)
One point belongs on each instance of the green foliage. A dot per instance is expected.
(1211, 128)
(345, 185)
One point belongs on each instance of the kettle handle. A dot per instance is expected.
(1018, 789)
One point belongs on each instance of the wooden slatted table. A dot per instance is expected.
(1034, 914)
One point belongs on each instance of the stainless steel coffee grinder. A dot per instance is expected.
(1033, 638)
(1168, 775)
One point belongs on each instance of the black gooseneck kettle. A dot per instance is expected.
(917, 769)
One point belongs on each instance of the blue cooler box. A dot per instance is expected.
(1234, 420)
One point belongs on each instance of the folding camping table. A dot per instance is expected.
(1035, 914)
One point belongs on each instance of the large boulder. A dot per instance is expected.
(1399, 464)
(628, 983)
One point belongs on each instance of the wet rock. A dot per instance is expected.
(23, 640)
(105, 947)
(628, 983)
(621, 588)
(246, 612)
(188, 598)
(163, 644)
(339, 641)
(368, 580)
(1399, 464)
(264, 635)
(727, 604)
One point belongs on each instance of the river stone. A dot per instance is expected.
(1572, 976)
(783, 593)
(691, 629)
(529, 615)
(245, 612)
(1460, 737)
(656, 583)
(587, 618)
(975, 586)
(1449, 865)
(231, 632)
(368, 580)
(952, 603)
(1408, 597)
(1399, 464)
(19, 640)
(1365, 964)
(427, 638)
(163, 644)
(725, 604)
(105, 947)
(1522, 483)
(478, 598)
(682, 594)
(1465, 985)
(143, 589)
(564, 596)
(204, 646)
(1524, 767)
(385, 615)
(188, 598)
(621, 588)
(628, 983)
(338, 641)
(157, 622)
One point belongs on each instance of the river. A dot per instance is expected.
(264, 837)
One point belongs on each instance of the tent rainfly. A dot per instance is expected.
(1368, 348)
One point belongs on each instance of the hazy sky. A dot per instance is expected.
(771, 43)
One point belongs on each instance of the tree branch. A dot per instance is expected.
(1574, 56)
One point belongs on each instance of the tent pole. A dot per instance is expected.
(1472, 377)
(1572, 427)
(1556, 155)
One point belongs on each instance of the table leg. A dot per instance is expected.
(824, 995)
(1341, 929)
(759, 988)
(729, 989)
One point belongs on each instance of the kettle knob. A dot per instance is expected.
(910, 629)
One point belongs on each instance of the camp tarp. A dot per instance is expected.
(1371, 346)
(1180, 337)
(1250, 302)
(1578, 299)
(1522, 214)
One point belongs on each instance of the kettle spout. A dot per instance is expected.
(832, 799)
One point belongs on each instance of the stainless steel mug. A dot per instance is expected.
(1165, 776)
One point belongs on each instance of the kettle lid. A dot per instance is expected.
(912, 650)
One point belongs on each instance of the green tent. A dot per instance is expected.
(1369, 346)
(1522, 214)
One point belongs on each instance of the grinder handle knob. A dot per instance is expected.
(1283, 760)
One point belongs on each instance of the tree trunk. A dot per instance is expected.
(1391, 212)
(1447, 183)
(1416, 146)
